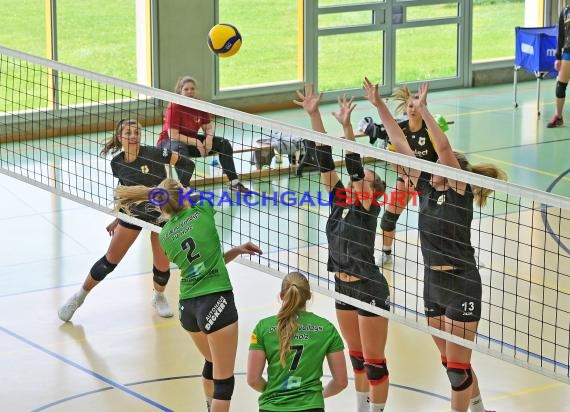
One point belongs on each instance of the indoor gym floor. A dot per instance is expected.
(117, 354)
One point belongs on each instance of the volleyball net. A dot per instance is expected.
(55, 118)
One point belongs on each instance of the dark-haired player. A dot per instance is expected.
(133, 165)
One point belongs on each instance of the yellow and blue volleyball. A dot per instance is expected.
(224, 40)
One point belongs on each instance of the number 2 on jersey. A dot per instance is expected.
(189, 246)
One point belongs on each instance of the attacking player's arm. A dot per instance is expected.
(395, 132)
(339, 381)
(439, 138)
(310, 103)
(255, 365)
(246, 249)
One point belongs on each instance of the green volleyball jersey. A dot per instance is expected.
(298, 384)
(191, 241)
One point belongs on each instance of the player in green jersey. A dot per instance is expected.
(207, 309)
(294, 343)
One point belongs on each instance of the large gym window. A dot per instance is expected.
(23, 26)
(259, 61)
(494, 23)
(98, 36)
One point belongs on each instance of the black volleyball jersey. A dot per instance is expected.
(147, 170)
(351, 232)
(420, 142)
(563, 42)
(445, 225)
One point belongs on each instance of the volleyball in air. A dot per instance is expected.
(224, 40)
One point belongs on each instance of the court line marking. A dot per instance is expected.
(85, 370)
(518, 146)
(80, 395)
(528, 391)
(522, 392)
(443, 100)
(544, 214)
(516, 166)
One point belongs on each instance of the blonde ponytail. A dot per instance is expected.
(295, 292)
(486, 169)
(170, 196)
(402, 94)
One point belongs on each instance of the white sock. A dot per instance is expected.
(208, 403)
(362, 402)
(476, 404)
(377, 407)
(234, 182)
(81, 294)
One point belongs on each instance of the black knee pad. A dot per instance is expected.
(357, 360)
(561, 89)
(388, 222)
(208, 370)
(460, 375)
(160, 277)
(376, 371)
(101, 268)
(444, 361)
(224, 389)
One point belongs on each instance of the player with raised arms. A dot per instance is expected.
(452, 283)
(419, 139)
(351, 233)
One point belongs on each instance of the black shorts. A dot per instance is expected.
(455, 294)
(129, 225)
(135, 227)
(372, 291)
(208, 313)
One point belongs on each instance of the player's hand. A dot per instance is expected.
(422, 95)
(309, 101)
(249, 248)
(112, 226)
(345, 110)
(557, 65)
(372, 93)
